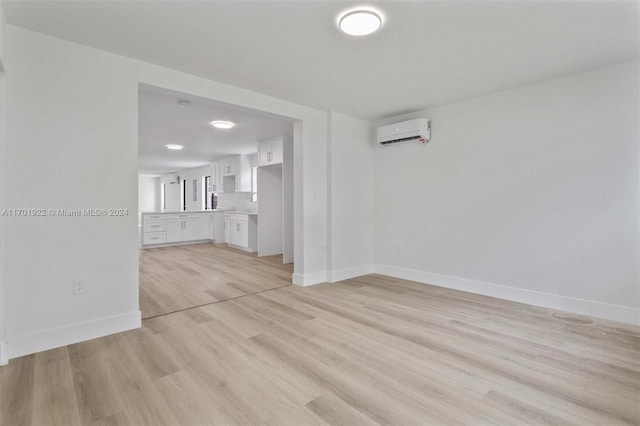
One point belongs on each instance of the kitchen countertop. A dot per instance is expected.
(188, 211)
(250, 213)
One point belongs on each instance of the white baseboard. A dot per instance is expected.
(345, 274)
(61, 336)
(183, 243)
(247, 249)
(592, 308)
(305, 280)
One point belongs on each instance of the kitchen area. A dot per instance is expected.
(218, 203)
(215, 201)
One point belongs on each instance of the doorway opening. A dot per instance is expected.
(219, 219)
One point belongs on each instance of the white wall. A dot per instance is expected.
(287, 201)
(3, 326)
(533, 189)
(2, 35)
(148, 193)
(71, 144)
(3, 178)
(350, 202)
(236, 201)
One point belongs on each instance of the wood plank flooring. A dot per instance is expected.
(177, 278)
(370, 350)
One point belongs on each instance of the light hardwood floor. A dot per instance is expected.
(176, 278)
(371, 350)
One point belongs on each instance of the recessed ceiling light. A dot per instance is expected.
(360, 22)
(175, 147)
(222, 124)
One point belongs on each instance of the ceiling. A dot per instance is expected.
(427, 53)
(162, 121)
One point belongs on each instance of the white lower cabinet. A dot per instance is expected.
(210, 227)
(227, 228)
(153, 238)
(173, 228)
(174, 231)
(239, 231)
(153, 229)
(217, 223)
(197, 229)
(155, 225)
(187, 227)
(193, 231)
(243, 231)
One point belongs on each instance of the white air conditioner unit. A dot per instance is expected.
(417, 130)
(173, 179)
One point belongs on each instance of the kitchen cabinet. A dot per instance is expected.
(174, 231)
(275, 183)
(155, 226)
(217, 177)
(149, 238)
(214, 179)
(270, 152)
(239, 235)
(216, 227)
(153, 229)
(227, 228)
(198, 229)
(195, 229)
(210, 227)
(234, 174)
(243, 231)
(182, 227)
(175, 228)
(229, 166)
(243, 174)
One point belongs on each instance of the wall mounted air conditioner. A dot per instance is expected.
(417, 130)
(174, 179)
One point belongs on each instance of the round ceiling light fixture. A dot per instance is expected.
(360, 22)
(222, 124)
(174, 147)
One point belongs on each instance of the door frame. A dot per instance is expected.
(4, 356)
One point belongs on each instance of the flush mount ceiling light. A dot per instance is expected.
(174, 147)
(360, 22)
(222, 124)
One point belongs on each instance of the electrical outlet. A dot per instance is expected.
(78, 287)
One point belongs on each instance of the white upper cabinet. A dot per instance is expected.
(270, 152)
(214, 179)
(232, 174)
(229, 165)
(243, 174)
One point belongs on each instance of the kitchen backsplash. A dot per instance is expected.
(237, 201)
